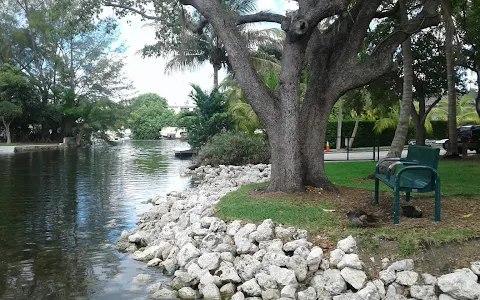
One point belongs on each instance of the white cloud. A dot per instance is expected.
(148, 74)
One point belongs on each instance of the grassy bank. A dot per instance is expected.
(313, 210)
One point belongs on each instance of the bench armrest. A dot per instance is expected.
(377, 167)
(391, 168)
(417, 167)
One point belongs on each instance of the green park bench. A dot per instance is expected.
(415, 173)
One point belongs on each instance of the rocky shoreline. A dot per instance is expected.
(213, 260)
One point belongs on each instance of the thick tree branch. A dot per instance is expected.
(387, 13)
(317, 10)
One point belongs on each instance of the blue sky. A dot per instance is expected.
(148, 74)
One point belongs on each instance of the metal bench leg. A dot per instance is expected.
(376, 191)
(407, 197)
(396, 206)
(437, 201)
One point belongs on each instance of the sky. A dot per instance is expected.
(147, 74)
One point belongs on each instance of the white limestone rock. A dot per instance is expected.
(154, 262)
(308, 294)
(348, 296)
(147, 254)
(387, 276)
(247, 266)
(429, 279)
(475, 267)
(283, 276)
(250, 288)
(299, 266)
(264, 231)
(186, 293)
(288, 291)
(227, 273)
(275, 258)
(351, 261)
(271, 294)
(423, 292)
(459, 285)
(380, 288)
(293, 245)
(187, 253)
(315, 256)
(228, 290)
(164, 294)
(407, 278)
(336, 256)
(265, 281)
(401, 265)
(238, 296)
(302, 252)
(211, 292)
(347, 245)
(369, 292)
(209, 261)
(285, 234)
(331, 281)
(234, 227)
(356, 278)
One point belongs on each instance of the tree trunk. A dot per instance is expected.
(354, 133)
(419, 121)
(216, 68)
(401, 132)
(339, 124)
(420, 134)
(452, 98)
(477, 100)
(6, 125)
(314, 130)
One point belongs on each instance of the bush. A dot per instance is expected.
(234, 148)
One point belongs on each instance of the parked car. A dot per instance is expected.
(471, 133)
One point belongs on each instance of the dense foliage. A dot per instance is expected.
(235, 148)
(68, 65)
(148, 115)
(210, 117)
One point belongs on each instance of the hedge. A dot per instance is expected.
(366, 137)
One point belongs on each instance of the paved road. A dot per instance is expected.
(359, 156)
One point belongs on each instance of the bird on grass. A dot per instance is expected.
(410, 211)
(360, 218)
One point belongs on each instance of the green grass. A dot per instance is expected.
(457, 177)
(459, 180)
(297, 211)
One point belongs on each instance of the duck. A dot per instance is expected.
(410, 211)
(360, 218)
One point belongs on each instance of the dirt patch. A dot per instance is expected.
(460, 217)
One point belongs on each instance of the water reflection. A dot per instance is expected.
(62, 211)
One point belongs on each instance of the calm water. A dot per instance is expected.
(61, 212)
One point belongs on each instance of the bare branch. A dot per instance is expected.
(316, 11)
(245, 19)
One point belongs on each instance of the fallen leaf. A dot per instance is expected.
(328, 210)
(467, 216)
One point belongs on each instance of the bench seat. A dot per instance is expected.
(415, 173)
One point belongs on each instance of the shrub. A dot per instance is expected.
(234, 148)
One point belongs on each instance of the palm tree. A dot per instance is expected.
(465, 111)
(450, 56)
(193, 50)
(401, 131)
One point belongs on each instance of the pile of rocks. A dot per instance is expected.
(211, 259)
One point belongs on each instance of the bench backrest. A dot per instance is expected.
(421, 179)
(424, 155)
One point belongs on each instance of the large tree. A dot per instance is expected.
(322, 37)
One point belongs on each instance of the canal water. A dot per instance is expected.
(61, 213)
